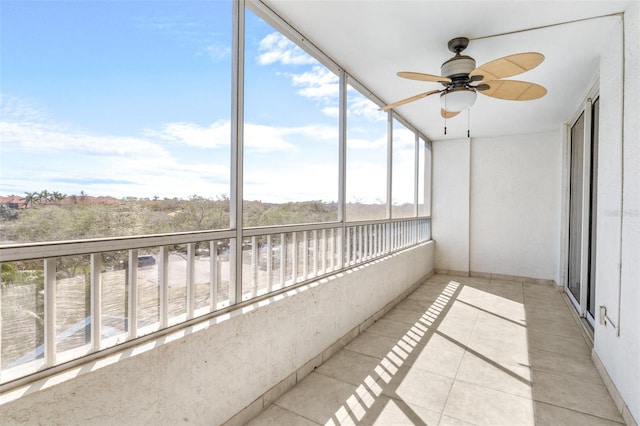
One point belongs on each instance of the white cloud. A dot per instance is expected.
(332, 111)
(299, 181)
(216, 135)
(403, 138)
(319, 84)
(275, 47)
(38, 137)
(217, 52)
(43, 154)
(362, 107)
(261, 138)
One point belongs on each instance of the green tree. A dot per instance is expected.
(44, 196)
(31, 198)
(7, 213)
(198, 213)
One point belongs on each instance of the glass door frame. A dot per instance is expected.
(587, 252)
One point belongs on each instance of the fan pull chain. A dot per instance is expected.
(468, 122)
(445, 115)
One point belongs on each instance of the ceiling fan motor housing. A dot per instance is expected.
(458, 66)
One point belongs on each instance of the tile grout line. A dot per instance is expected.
(455, 377)
(294, 413)
(577, 411)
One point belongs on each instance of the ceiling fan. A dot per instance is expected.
(462, 80)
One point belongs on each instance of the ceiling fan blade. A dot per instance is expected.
(448, 114)
(514, 90)
(407, 100)
(423, 77)
(509, 66)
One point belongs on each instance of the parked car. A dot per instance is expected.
(146, 260)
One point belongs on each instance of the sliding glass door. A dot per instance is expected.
(581, 271)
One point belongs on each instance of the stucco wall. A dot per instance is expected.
(515, 204)
(618, 232)
(450, 204)
(209, 372)
(497, 204)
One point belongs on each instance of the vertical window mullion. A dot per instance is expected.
(342, 178)
(415, 177)
(237, 144)
(389, 163)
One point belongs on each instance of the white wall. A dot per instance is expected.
(515, 204)
(497, 204)
(211, 372)
(450, 204)
(618, 232)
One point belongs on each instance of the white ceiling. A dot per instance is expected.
(372, 40)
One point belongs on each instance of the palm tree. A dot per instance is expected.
(44, 196)
(30, 198)
(57, 196)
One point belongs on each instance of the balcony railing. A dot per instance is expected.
(67, 300)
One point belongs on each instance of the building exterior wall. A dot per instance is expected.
(618, 227)
(211, 371)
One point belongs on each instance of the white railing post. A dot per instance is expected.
(132, 304)
(314, 269)
(360, 243)
(163, 283)
(332, 248)
(190, 278)
(96, 301)
(269, 263)
(254, 266)
(324, 251)
(305, 255)
(50, 312)
(294, 257)
(348, 246)
(213, 275)
(283, 259)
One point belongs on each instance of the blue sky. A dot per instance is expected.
(133, 99)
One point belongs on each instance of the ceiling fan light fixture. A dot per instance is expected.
(458, 99)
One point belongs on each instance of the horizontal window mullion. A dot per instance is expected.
(274, 230)
(17, 252)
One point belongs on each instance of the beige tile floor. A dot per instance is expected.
(458, 351)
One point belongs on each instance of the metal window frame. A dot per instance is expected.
(390, 233)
